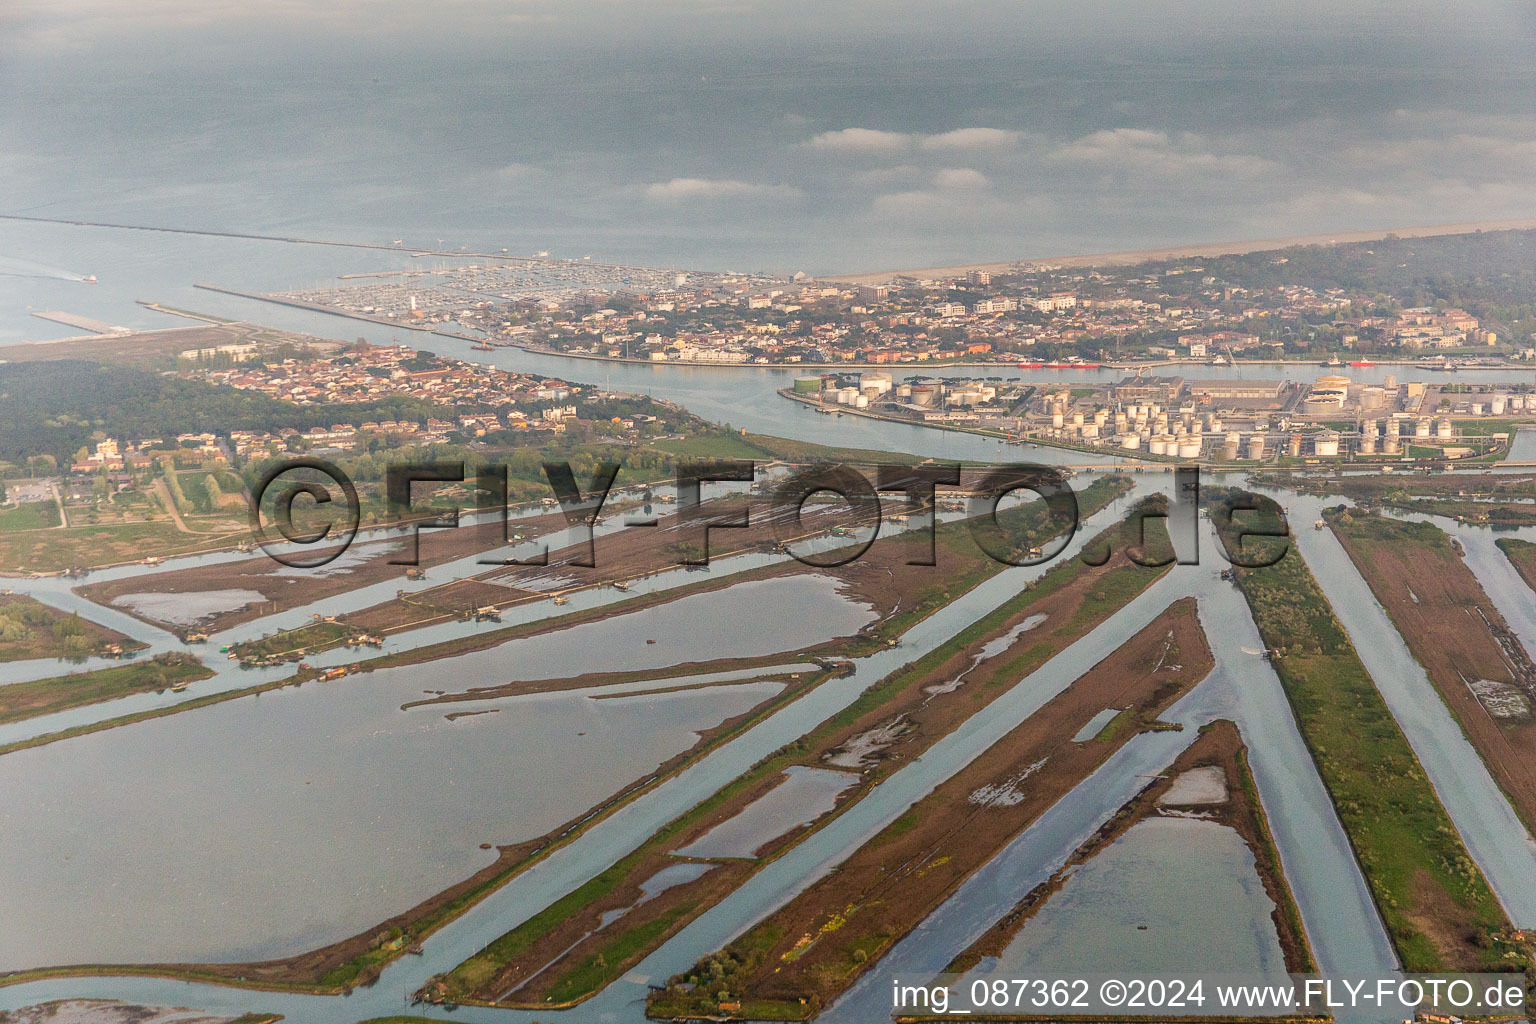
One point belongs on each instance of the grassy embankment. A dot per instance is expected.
(1469, 653)
(1436, 904)
(1522, 555)
(1097, 592)
(45, 696)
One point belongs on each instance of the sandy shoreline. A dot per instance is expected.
(1194, 249)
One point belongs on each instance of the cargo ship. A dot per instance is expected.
(1362, 362)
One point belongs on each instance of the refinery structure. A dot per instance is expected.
(1260, 420)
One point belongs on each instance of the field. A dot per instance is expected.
(802, 956)
(105, 544)
(29, 515)
(1437, 907)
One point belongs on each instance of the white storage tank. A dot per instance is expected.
(1477, 408)
(877, 379)
(1326, 445)
(1443, 428)
(1158, 446)
(1256, 447)
(1058, 420)
(1131, 442)
(1496, 405)
(1421, 428)
(861, 401)
(1232, 445)
(1367, 444)
(904, 391)
(1189, 448)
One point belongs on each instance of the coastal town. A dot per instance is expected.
(1259, 307)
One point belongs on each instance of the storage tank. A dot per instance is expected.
(1131, 442)
(845, 396)
(1157, 446)
(1101, 417)
(1323, 401)
(1477, 408)
(807, 385)
(923, 394)
(1331, 382)
(1391, 446)
(877, 379)
(1326, 445)
(1189, 448)
(1367, 444)
(1421, 428)
(1090, 430)
(1293, 445)
(1058, 420)
(1496, 405)
(861, 401)
(1372, 398)
(1077, 419)
(1232, 445)
(1517, 402)
(1443, 428)
(1256, 447)
(904, 391)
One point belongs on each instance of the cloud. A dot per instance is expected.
(973, 138)
(861, 140)
(874, 140)
(880, 176)
(516, 172)
(960, 178)
(682, 189)
(1138, 150)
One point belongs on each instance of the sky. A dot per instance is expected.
(786, 136)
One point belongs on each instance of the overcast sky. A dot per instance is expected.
(787, 135)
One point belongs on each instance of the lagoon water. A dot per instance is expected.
(1169, 894)
(803, 795)
(308, 814)
(262, 827)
